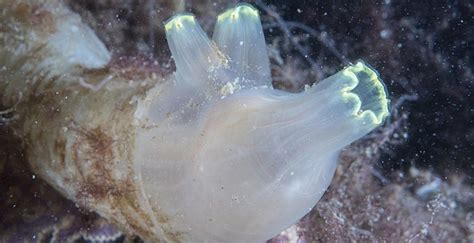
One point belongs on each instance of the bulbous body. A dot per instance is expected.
(210, 153)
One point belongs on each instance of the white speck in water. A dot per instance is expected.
(33, 177)
(385, 34)
(241, 43)
(299, 10)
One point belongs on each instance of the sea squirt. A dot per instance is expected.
(256, 158)
(211, 154)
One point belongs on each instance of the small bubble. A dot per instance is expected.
(385, 34)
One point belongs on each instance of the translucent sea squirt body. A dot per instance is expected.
(227, 157)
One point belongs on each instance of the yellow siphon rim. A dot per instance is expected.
(176, 22)
(380, 112)
(242, 9)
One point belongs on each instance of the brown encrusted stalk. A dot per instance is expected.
(74, 118)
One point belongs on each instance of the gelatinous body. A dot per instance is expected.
(236, 159)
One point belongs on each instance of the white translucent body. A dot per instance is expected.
(230, 160)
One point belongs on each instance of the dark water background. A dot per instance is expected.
(424, 52)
